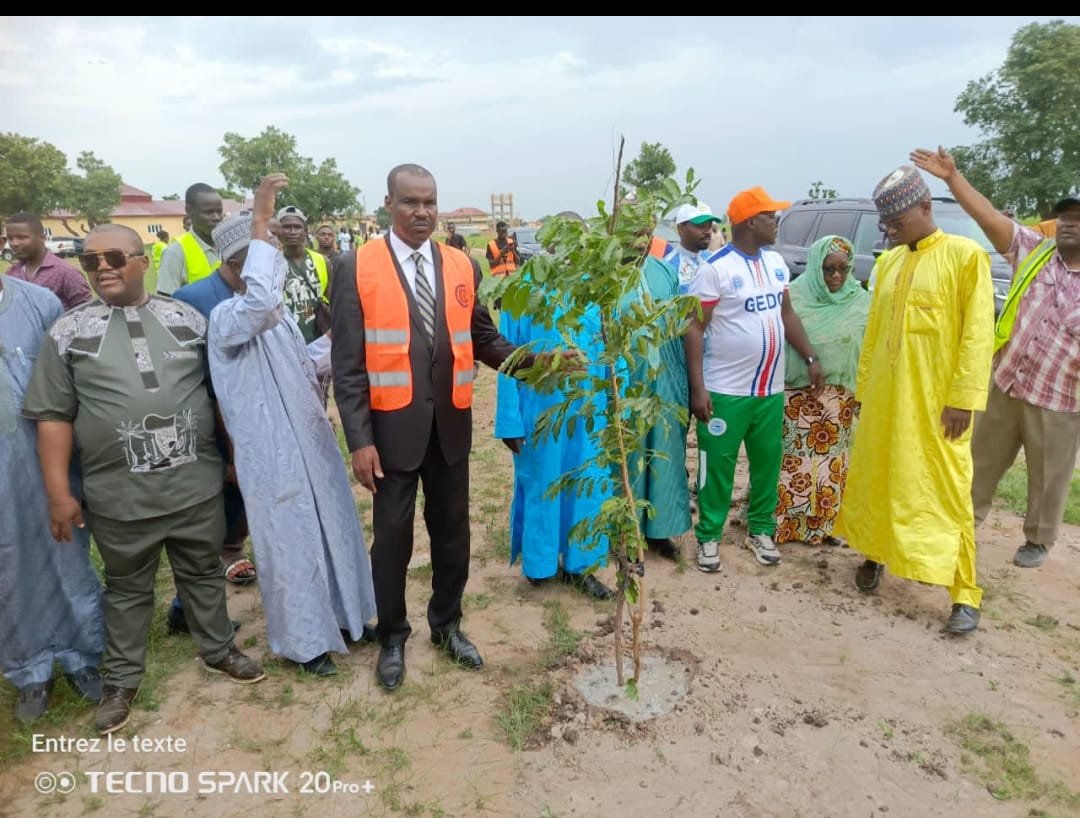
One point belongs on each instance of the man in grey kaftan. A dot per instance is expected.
(50, 597)
(314, 571)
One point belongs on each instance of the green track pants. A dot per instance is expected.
(757, 423)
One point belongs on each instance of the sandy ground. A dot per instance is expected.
(805, 699)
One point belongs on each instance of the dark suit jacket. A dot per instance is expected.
(401, 436)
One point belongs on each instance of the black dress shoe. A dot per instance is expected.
(665, 547)
(588, 585)
(868, 575)
(458, 647)
(87, 682)
(321, 665)
(964, 619)
(390, 667)
(33, 701)
(368, 635)
(1030, 555)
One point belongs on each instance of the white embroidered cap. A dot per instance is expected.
(232, 235)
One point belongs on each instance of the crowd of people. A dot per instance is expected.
(191, 415)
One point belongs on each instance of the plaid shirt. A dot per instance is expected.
(1040, 364)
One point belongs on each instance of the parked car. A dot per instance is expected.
(64, 246)
(856, 219)
(527, 244)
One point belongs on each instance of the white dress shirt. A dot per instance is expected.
(403, 253)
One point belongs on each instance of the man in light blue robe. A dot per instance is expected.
(314, 571)
(50, 597)
(540, 528)
(662, 481)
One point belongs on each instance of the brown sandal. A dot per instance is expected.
(240, 572)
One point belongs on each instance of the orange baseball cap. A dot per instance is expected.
(748, 203)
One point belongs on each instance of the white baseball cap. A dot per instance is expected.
(695, 215)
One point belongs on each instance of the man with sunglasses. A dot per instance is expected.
(124, 377)
(192, 256)
(923, 372)
(36, 264)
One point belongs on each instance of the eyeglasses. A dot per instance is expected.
(115, 259)
(897, 223)
(842, 270)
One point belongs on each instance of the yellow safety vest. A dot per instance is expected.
(196, 263)
(155, 254)
(1025, 274)
(320, 271)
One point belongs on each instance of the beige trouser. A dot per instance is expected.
(1050, 441)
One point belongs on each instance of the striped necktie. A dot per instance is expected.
(425, 298)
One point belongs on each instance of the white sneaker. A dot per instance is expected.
(764, 548)
(708, 556)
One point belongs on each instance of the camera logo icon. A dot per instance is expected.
(47, 783)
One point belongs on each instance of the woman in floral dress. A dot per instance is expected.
(818, 430)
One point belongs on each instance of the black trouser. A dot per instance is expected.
(446, 516)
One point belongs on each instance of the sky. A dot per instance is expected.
(533, 106)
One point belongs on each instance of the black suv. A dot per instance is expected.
(807, 220)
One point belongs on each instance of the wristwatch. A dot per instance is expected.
(810, 359)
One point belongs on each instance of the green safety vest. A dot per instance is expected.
(1025, 274)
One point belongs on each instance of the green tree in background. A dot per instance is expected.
(648, 172)
(94, 195)
(318, 190)
(226, 193)
(382, 218)
(246, 161)
(819, 191)
(323, 190)
(33, 175)
(1026, 111)
(172, 197)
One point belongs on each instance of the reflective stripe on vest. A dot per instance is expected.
(388, 331)
(502, 267)
(1025, 274)
(196, 264)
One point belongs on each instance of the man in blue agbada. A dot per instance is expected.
(540, 527)
(314, 572)
(50, 597)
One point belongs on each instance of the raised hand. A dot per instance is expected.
(937, 163)
(266, 195)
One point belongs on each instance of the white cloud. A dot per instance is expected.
(531, 106)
